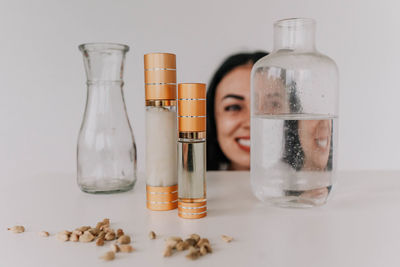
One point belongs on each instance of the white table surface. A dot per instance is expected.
(360, 226)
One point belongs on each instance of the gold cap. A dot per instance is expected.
(192, 107)
(162, 197)
(160, 76)
(194, 210)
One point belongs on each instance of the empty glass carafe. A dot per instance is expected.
(106, 154)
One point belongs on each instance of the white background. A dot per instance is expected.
(42, 80)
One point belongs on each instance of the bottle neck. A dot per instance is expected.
(296, 34)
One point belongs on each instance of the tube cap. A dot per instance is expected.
(194, 210)
(160, 76)
(162, 197)
(192, 107)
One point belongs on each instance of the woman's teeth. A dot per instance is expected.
(244, 142)
(322, 143)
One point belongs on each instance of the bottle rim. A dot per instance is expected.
(294, 22)
(103, 46)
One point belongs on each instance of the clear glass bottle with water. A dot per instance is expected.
(294, 117)
(106, 155)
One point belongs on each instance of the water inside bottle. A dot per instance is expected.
(292, 158)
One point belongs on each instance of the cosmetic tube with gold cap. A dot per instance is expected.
(161, 149)
(192, 203)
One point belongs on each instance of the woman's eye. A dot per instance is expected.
(233, 108)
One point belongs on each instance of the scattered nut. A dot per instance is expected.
(86, 237)
(101, 235)
(168, 251)
(207, 247)
(83, 228)
(191, 241)
(125, 239)
(120, 233)
(174, 238)
(108, 256)
(126, 248)
(202, 241)
(182, 245)
(196, 237)
(62, 236)
(44, 234)
(226, 238)
(94, 231)
(74, 237)
(152, 235)
(203, 250)
(77, 232)
(17, 229)
(109, 236)
(171, 243)
(100, 242)
(193, 254)
(115, 248)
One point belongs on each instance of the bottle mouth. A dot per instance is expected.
(103, 46)
(294, 22)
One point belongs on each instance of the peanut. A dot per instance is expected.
(182, 245)
(44, 234)
(108, 256)
(100, 242)
(17, 229)
(226, 238)
(193, 254)
(125, 239)
(126, 248)
(120, 233)
(202, 241)
(74, 237)
(168, 251)
(152, 235)
(115, 248)
(62, 236)
(86, 237)
(196, 237)
(109, 236)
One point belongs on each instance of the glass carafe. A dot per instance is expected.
(294, 117)
(106, 154)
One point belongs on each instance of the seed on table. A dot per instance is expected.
(152, 235)
(77, 232)
(126, 248)
(74, 237)
(193, 254)
(94, 231)
(202, 241)
(196, 237)
(191, 241)
(83, 228)
(125, 239)
(86, 237)
(120, 233)
(207, 247)
(203, 250)
(100, 242)
(108, 256)
(174, 238)
(115, 248)
(167, 251)
(109, 236)
(62, 236)
(182, 245)
(101, 235)
(44, 234)
(227, 238)
(17, 229)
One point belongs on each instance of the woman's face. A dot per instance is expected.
(232, 115)
(315, 140)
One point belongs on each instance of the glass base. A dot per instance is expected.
(108, 186)
(299, 199)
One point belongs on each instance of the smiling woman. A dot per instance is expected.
(228, 110)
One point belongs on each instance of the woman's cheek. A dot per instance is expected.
(226, 125)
